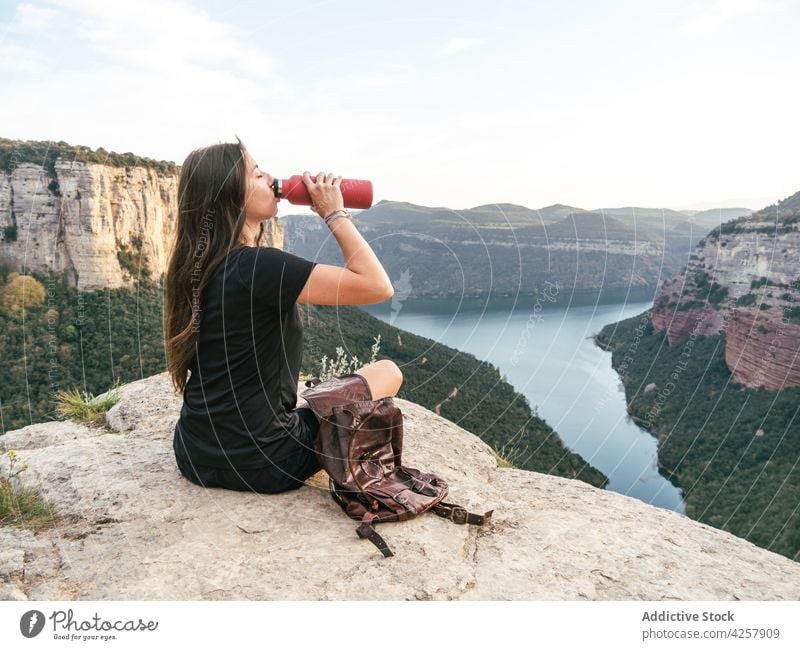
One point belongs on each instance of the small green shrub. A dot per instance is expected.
(85, 407)
(691, 304)
(343, 365)
(502, 461)
(134, 262)
(765, 281)
(701, 279)
(20, 506)
(717, 294)
(746, 300)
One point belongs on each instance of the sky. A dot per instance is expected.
(659, 103)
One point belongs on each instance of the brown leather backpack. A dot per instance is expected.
(360, 444)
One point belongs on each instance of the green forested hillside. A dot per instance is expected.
(733, 450)
(484, 403)
(54, 338)
(71, 339)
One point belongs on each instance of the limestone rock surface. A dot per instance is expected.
(83, 218)
(134, 528)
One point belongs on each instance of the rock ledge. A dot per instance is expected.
(137, 530)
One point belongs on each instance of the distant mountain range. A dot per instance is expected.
(507, 250)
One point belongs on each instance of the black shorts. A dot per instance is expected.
(300, 462)
(296, 457)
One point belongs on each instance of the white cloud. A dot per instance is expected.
(456, 45)
(121, 74)
(708, 17)
(16, 58)
(30, 17)
(156, 34)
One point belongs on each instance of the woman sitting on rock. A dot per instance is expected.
(232, 323)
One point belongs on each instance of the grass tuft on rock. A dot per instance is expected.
(85, 407)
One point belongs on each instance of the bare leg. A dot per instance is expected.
(384, 378)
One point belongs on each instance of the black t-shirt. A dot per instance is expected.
(240, 398)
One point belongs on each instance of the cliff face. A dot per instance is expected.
(132, 527)
(743, 279)
(80, 220)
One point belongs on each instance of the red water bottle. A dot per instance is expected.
(356, 193)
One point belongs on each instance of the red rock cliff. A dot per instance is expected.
(743, 279)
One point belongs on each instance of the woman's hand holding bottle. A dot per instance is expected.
(326, 195)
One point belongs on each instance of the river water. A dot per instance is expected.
(548, 355)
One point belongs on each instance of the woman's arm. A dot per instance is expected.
(363, 281)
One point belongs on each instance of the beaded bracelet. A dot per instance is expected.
(338, 214)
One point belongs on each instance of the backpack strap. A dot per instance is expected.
(366, 531)
(459, 515)
(450, 511)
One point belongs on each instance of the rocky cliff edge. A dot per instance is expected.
(135, 529)
(743, 279)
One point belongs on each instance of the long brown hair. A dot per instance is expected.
(211, 193)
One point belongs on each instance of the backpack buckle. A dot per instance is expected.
(458, 515)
